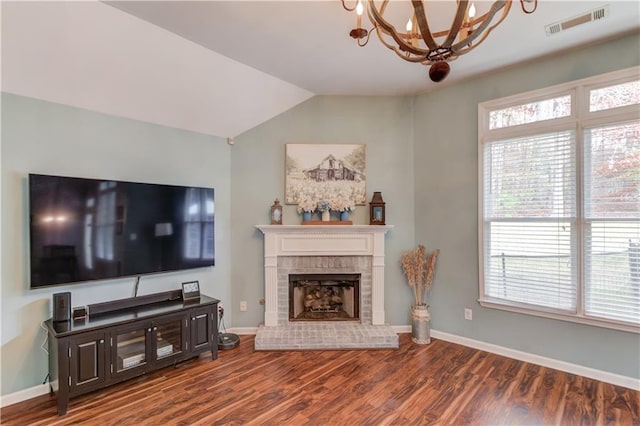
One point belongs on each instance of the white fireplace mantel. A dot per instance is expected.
(323, 240)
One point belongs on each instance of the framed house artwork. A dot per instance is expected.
(334, 173)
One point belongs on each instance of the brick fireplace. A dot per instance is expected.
(338, 250)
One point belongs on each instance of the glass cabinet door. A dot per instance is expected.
(131, 349)
(169, 336)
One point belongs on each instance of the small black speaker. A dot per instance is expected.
(62, 306)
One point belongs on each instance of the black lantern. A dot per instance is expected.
(276, 213)
(376, 210)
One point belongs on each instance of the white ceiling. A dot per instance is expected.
(223, 67)
(306, 43)
(89, 55)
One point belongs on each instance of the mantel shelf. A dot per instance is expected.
(315, 229)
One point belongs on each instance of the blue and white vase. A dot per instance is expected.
(344, 215)
(306, 216)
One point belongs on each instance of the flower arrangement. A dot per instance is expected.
(332, 196)
(342, 203)
(419, 268)
(307, 200)
(307, 205)
(341, 197)
(323, 206)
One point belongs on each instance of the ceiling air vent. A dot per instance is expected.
(593, 15)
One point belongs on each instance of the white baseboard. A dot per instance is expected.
(604, 376)
(615, 379)
(243, 330)
(23, 395)
(402, 328)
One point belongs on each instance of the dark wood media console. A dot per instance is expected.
(127, 338)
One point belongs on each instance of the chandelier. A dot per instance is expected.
(418, 43)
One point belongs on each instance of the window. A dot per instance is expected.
(560, 201)
(106, 220)
(199, 211)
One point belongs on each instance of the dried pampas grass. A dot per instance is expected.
(419, 268)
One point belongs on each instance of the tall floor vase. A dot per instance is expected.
(420, 324)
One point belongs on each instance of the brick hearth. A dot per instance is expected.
(325, 335)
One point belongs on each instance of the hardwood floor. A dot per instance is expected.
(440, 383)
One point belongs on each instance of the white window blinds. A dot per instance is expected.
(612, 221)
(559, 201)
(529, 219)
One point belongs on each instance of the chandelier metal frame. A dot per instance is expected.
(418, 43)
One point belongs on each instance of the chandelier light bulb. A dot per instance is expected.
(409, 25)
(359, 33)
(472, 10)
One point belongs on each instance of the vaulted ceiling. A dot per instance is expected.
(222, 67)
(306, 43)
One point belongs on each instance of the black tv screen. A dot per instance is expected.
(93, 229)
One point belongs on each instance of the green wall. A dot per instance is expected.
(48, 138)
(446, 180)
(385, 125)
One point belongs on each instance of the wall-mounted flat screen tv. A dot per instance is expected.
(95, 229)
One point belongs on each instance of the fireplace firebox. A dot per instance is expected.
(324, 297)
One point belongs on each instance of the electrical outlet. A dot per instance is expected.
(243, 306)
(468, 314)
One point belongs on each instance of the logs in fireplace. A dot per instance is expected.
(324, 297)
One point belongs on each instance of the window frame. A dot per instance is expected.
(579, 120)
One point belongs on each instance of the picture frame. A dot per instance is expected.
(191, 290)
(324, 171)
